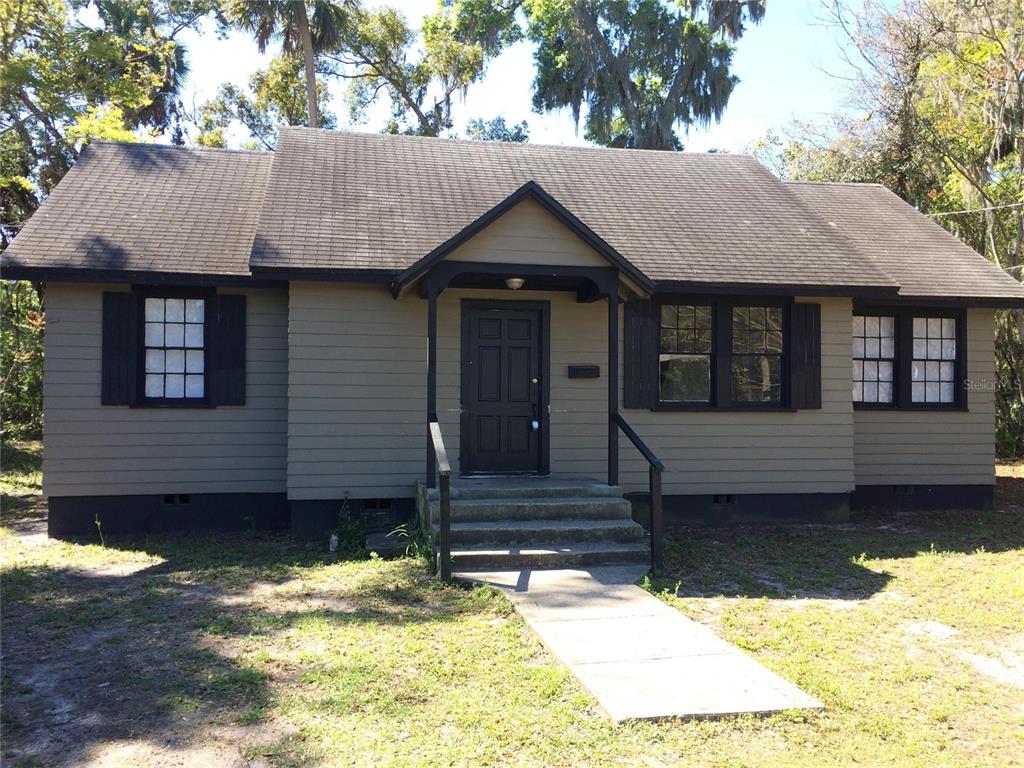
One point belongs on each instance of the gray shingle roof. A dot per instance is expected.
(368, 201)
(151, 208)
(347, 201)
(922, 257)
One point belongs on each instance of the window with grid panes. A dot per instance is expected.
(933, 365)
(174, 341)
(685, 353)
(757, 347)
(874, 358)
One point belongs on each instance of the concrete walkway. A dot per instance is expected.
(640, 658)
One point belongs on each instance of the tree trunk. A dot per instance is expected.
(307, 56)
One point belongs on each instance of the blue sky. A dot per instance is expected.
(783, 66)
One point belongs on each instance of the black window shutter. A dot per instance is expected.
(226, 350)
(640, 354)
(805, 356)
(120, 367)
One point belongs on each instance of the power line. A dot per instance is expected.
(978, 210)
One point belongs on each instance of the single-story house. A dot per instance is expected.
(258, 338)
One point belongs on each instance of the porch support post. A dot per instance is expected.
(613, 382)
(431, 379)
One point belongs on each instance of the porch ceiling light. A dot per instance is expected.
(515, 283)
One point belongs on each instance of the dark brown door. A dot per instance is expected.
(502, 390)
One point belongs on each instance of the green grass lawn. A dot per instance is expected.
(179, 650)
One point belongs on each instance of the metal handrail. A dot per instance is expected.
(444, 534)
(655, 468)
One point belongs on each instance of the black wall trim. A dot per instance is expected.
(69, 275)
(805, 356)
(313, 518)
(922, 497)
(748, 509)
(640, 354)
(120, 355)
(75, 516)
(782, 290)
(370, 276)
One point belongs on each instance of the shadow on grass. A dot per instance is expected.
(1009, 491)
(21, 499)
(98, 654)
(824, 561)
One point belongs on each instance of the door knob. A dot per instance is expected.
(534, 380)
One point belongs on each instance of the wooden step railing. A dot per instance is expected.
(655, 468)
(444, 492)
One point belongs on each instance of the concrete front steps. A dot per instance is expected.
(540, 523)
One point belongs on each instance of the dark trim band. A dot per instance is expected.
(748, 508)
(922, 497)
(75, 516)
(69, 275)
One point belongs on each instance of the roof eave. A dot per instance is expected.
(148, 277)
(889, 292)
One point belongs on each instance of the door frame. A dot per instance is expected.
(543, 309)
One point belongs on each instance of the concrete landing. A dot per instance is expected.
(640, 658)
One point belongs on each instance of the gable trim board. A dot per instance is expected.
(529, 191)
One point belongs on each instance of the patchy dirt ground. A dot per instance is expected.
(105, 663)
(248, 650)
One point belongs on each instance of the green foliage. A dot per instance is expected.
(276, 97)
(63, 83)
(269, 20)
(479, 129)
(303, 28)
(642, 68)
(417, 544)
(21, 359)
(378, 53)
(351, 538)
(939, 119)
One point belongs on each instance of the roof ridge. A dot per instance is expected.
(835, 183)
(181, 147)
(513, 145)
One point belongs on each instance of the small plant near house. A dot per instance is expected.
(347, 539)
(99, 530)
(417, 545)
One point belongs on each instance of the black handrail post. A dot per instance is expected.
(657, 522)
(444, 543)
(431, 380)
(613, 384)
(444, 503)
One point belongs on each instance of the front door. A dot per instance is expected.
(503, 393)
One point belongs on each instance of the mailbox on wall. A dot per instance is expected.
(584, 372)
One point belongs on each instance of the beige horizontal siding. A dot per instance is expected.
(809, 451)
(91, 449)
(528, 234)
(336, 403)
(936, 447)
(357, 404)
(356, 392)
